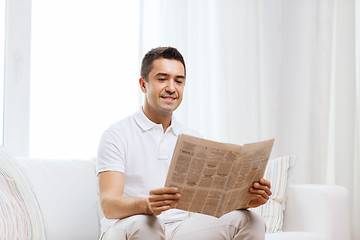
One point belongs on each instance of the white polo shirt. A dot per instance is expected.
(141, 150)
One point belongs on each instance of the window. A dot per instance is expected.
(84, 73)
(2, 57)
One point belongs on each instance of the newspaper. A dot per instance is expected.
(214, 178)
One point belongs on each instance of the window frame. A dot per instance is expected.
(17, 77)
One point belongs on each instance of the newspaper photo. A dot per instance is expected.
(214, 178)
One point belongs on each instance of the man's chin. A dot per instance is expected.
(169, 109)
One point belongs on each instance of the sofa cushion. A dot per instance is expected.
(318, 208)
(20, 214)
(66, 190)
(294, 236)
(277, 172)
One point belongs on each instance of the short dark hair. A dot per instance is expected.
(156, 53)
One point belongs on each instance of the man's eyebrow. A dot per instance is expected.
(161, 74)
(165, 75)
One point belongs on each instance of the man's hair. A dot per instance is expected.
(156, 53)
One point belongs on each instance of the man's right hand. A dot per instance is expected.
(116, 206)
(161, 199)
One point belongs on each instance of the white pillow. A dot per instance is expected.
(277, 172)
(66, 191)
(20, 214)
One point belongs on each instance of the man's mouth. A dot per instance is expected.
(168, 98)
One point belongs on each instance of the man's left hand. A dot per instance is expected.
(260, 192)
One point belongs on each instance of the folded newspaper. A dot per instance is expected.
(214, 178)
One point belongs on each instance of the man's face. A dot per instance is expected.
(164, 88)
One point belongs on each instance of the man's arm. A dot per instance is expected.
(116, 206)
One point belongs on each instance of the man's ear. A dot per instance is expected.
(142, 83)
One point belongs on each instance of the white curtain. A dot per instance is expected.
(270, 68)
(356, 159)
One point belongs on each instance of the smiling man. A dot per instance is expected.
(163, 88)
(133, 161)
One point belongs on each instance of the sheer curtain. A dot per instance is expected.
(263, 69)
(356, 172)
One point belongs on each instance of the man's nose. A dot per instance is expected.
(170, 86)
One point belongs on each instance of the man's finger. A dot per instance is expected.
(155, 198)
(162, 203)
(159, 210)
(262, 188)
(265, 188)
(263, 181)
(260, 192)
(164, 190)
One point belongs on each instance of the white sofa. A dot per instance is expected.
(67, 194)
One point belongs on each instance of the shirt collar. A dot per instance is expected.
(146, 124)
(175, 125)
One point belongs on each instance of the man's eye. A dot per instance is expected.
(162, 79)
(179, 81)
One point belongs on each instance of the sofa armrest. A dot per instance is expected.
(322, 209)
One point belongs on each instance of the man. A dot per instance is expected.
(133, 160)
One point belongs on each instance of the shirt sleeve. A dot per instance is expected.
(111, 154)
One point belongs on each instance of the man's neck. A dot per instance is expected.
(163, 119)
